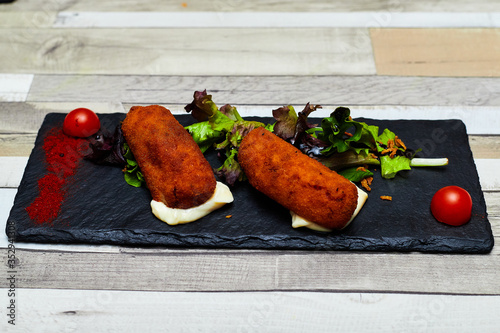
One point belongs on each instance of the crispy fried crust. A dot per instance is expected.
(175, 170)
(296, 181)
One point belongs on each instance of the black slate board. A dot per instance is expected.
(102, 209)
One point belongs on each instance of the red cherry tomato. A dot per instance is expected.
(452, 205)
(81, 122)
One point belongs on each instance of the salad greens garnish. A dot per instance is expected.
(223, 129)
(344, 134)
(339, 142)
(355, 174)
(132, 174)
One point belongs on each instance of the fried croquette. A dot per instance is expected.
(296, 181)
(174, 168)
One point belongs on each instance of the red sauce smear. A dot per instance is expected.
(62, 154)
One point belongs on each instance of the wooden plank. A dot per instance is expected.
(493, 208)
(437, 52)
(27, 19)
(12, 169)
(487, 170)
(219, 19)
(258, 5)
(24, 118)
(484, 121)
(15, 87)
(212, 270)
(16, 145)
(19, 122)
(269, 90)
(128, 311)
(251, 270)
(485, 147)
(182, 51)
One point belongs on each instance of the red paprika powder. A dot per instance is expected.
(62, 155)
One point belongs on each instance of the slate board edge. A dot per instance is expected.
(397, 245)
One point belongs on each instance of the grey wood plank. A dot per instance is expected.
(212, 270)
(188, 51)
(163, 269)
(258, 5)
(24, 118)
(483, 146)
(58, 311)
(16, 144)
(21, 144)
(269, 90)
(20, 121)
(493, 208)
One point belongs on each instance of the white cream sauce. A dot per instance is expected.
(298, 221)
(172, 216)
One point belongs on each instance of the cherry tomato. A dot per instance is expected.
(452, 205)
(81, 122)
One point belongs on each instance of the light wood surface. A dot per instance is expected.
(184, 52)
(437, 52)
(91, 310)
(256, 6)
(383, 59)
(240, 90)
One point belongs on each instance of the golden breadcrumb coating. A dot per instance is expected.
(296, 181)
(174, 168)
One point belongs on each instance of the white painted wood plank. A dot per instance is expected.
(214, 19)
(127, 311)
(489, 176)
(258, 6)
(12, 170)
(15, 87)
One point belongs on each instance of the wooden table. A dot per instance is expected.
(401, 59)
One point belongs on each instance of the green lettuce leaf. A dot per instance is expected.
(132, 173)
(369, 136)
(355, 175)
(204, 135)
(389, 167)
(335, 128)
